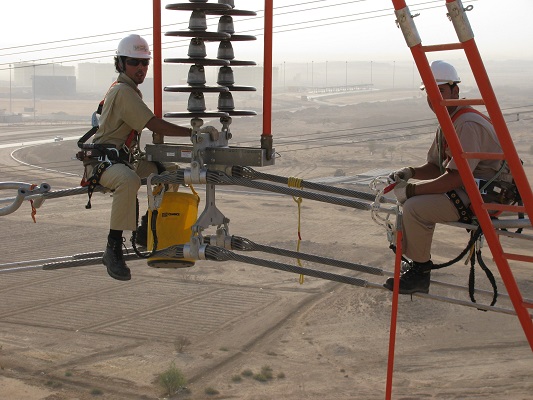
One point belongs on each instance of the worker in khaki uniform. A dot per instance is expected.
(124, 116)
(438, 195)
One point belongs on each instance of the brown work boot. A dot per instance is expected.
(414, 279)
(114, 260)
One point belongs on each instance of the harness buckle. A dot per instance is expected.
(109, 153)
(482, 185)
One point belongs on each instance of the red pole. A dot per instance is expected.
(394, 314)
(266, 137)
(157, 60)
(398, 5)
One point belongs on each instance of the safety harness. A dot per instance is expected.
(105, 154)
(493, 191)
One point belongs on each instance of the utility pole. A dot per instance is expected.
(312, 76)
(10, 101)
(393, 72)
(346, 78)
(34, 93)
(326, 75)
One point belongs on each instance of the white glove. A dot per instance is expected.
(403, 174)
(404, 191)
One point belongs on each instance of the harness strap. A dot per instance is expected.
(472, 278)
(134, 135)
(465, 214)
(95, 179)
(462, 111)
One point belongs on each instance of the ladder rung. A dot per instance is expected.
(463, 102)
(485, 156)
(503, 207)
(442, 47)
(518, 257)
(527, 305)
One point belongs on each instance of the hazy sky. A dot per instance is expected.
(353, 30)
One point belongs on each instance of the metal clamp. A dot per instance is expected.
(404, 20)
(24, 190)
(457, 14)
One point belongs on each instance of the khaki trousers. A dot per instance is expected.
(125, 183)
(420, 214)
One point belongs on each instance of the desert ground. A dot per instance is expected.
(75, 333)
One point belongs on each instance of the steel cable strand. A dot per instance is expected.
(176, 177)
(250, 173)
(220, 254)
(81, 262)
(165, 178)
(240, 243)
(174, 251)
(291, 192)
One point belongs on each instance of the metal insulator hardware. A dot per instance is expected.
(196, 102)
(196, 75)
(457, 14)
(225, 102)
(225, 50)
(225, 24)
(404, 20)
(197, 48)
(228, 2)
(198, 21)
(225, 76)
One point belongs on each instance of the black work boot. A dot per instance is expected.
(414, 279)
(114, 260)
(141, 235)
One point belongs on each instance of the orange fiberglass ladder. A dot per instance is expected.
(457, 14)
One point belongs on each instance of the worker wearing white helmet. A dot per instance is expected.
(438, 195)
(123, 116)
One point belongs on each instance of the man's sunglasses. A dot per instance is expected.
(134, 62)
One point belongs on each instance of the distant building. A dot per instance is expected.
(24, 72)
(9, 118)
(55, 86)
(95, 78)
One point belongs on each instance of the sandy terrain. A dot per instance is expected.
(78, 334)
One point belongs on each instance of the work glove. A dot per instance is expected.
(403, 174)
(404, 191)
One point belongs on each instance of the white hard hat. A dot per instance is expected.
(134, 46)
(443, 72)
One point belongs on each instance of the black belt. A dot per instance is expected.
(465, 215)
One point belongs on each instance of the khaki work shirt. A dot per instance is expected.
(123, 111)
(476, 135)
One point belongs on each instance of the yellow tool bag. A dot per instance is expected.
(175, 216)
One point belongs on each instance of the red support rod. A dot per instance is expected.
(498, 121)
(267, 69)
(399, 4)
(519, 176)
(157, 61)
(394, 314)
(468, 179)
